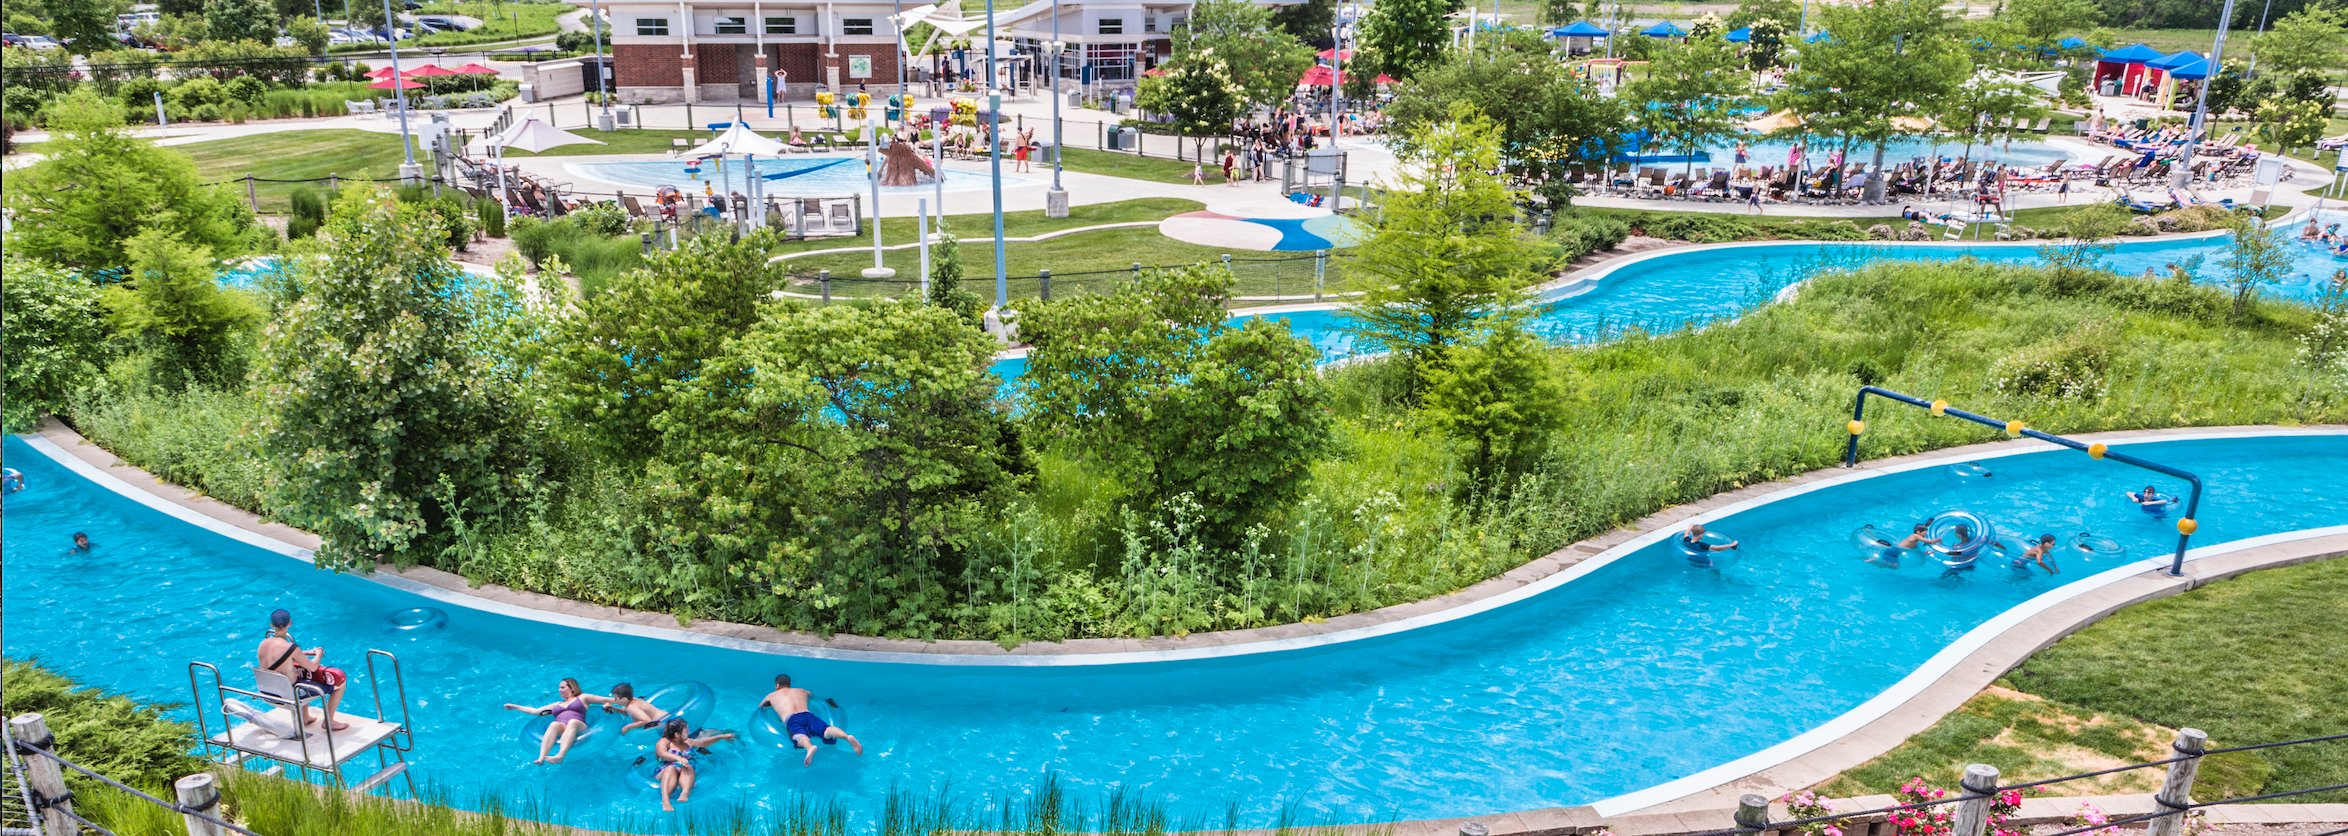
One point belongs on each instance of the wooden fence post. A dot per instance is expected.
(252, 195)
(197, 792)
(1753, 811)
(42, 775)
(1044, 276)
(824, 277)
(1980, 788)
(2176, 791)
(1320, 273)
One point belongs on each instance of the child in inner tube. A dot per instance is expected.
(1890, 556)
(1698, 550)
(2151, 501)
(801, 724)
(1962, 550)
(676, 750)
(2041, 553)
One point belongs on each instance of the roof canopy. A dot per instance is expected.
(2132, 54)
(1738, 36)
(737, 139)
(1580, 29)
(2195, 71)
(530, 135)
(1666, 29)
(2168, 62)
(2071, 43)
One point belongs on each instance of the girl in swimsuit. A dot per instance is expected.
(676, 752)
(570, 720)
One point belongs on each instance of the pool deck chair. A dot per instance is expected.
(270, 730)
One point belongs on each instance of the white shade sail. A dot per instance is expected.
(737, 139)
(530, 135)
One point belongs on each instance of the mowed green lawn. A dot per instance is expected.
(295, 155)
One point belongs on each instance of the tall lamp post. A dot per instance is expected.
(2193, 135)
(872, 167)
(994, 136)
(602, 65)
(1056, 200)
(410, 172)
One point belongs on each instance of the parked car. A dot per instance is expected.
(12, 39)
(40, 42)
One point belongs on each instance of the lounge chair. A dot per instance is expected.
(635, 210)
(810, 209)
(2043, 124)
(2329, 143)
(842, 222)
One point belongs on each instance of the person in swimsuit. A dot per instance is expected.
(1891, 554)
(642, 714)
(1962, 550)
(676, 750)
(279, 653)
(1693, 541)
(2041, 553)
(802, 725)
(2152, 502)
(570, 720)
(81, 542)
(10, 480)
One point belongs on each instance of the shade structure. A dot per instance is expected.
(738, 139)
(380, 72)
(1772, 123)
(429, 70)
(1327, 54)
(475, 69)
(1666, 29)
(395, 84)
(1580, 29)
(2132, 54)
(1818, 37)
(1738, 36)
(531, 135)
(2071, 43)
(2170, 62)
(2195, 71)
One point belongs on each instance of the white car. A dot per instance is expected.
(42, 42)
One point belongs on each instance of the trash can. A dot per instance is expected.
(1116, 139)
(2111, 87)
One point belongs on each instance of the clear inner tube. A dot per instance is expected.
(690, 700)
(2091, 546)
(1962, 534)
(1875, 547)
(711, 771)
(600, 733)
(415, 620)
(1967, 472)
(1707, 558)
(766, 729)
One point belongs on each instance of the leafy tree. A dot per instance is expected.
(2257, 256)
(1559, 12)
(98, 187)
(1499, 397)
(1263, 59)
(1885, 61)
(241, 20)
(1199, 92)
(2087, 237)
(2290, 123)
(175, 306)
(1765, 44)
(1404, 37)
(179, 7)
(2306, 86)
(2232, 89)
(2042, 23)
(1787, 12)
(1446, 253)
(385, 417)
(617, 361)
(1153, 383)
(1979, 108)
(841, 458)
(1691, 95)
(51, 340)
(2310, 39)
(1549, 122)
(945, 280)
(87, 25)
(1310, 22)
(310, 33)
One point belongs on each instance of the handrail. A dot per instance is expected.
(2186, 525)
(374, 685)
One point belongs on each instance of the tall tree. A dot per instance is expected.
(2043, 23)
(1445, 253)
(173, 303)
(383, 417)
(1692, 95)
(1979, 108)
(618, 359)
(1784, 11)
(1311, 22)
(1261, 57)
(840, 459)
(2256, 257)
(1154, 384)
(1549, 122)
(1499, 397)
(2310, 39)
(50, 336)
(241, 20)
(1402, 37)
(1199, 93)
(98, 186)
(1881, 62)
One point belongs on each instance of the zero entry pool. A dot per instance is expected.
(1522, 706)
(796, 175)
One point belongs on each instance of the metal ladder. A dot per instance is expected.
(242, 744)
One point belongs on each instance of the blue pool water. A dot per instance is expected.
(803, 175)
(1524, 706)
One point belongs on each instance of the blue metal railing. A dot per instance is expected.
(2185, 525)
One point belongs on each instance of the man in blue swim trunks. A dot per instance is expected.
(802, 725)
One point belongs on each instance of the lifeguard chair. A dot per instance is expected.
(273, 731)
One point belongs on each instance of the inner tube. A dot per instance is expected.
(413, 621)
(1878, 549)
(1945, 527)
(598, 734)
(766, 730)
(690, 699)
(1706, 558)
(2158, 510)
(710, 773)
(2091, 546)
(1967, 473)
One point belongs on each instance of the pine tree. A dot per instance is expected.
(945, 280)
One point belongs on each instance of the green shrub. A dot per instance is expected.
(2073, 365)
(308, 213)
(1701, 229)
(49, 329)
(492, 216)
(1580, 235)
(201, 91)
(246, 89)
(110, 734)
(600, 218)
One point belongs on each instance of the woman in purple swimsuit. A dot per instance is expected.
(570, 720)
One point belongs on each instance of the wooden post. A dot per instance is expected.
(824, 277)
(42, 775)
(1474, 828)
(196, 792)
(1980, 788)
(252, 196)
(1045, 277)
(2176, 791)
(1753, 811)
(1320, 272)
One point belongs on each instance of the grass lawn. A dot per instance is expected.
(2256, 659)
(1127, 165)
(1113, 252)
(1015, 224)
(295, 155)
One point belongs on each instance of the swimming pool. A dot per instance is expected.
(796, 175)
(1521, 706)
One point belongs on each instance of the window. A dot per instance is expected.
(652, 26)
(856, 26)
(1112, 26)
(782, 26)
(733, 26)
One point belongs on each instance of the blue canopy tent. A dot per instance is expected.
(2170, 62)
(1738, 36)
(2132, 54)
(1666, 29)
(2070, 43)
(2126, 67)
(2195, 71)
(1580, 29)
(1818, 37)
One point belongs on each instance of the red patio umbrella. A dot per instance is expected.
(1327, 54)
(429, 70)
(1385, 79)
(1154, 71)
(474, 69)
(1321, 77)
(394, 84)
(380, 72)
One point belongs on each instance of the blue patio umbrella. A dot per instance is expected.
(2071, 43)
(2132, 54)
(1580, 29)
(1738, 36)
(2170, 62)
(1666, 29)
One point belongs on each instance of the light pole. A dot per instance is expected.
(602, 68)
(2193, 135)
(1056, 200)
(872, 164)
(1337, 75)
(994, 141)
(410, 172)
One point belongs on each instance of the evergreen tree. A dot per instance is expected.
(945, 279)
(174, 304)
